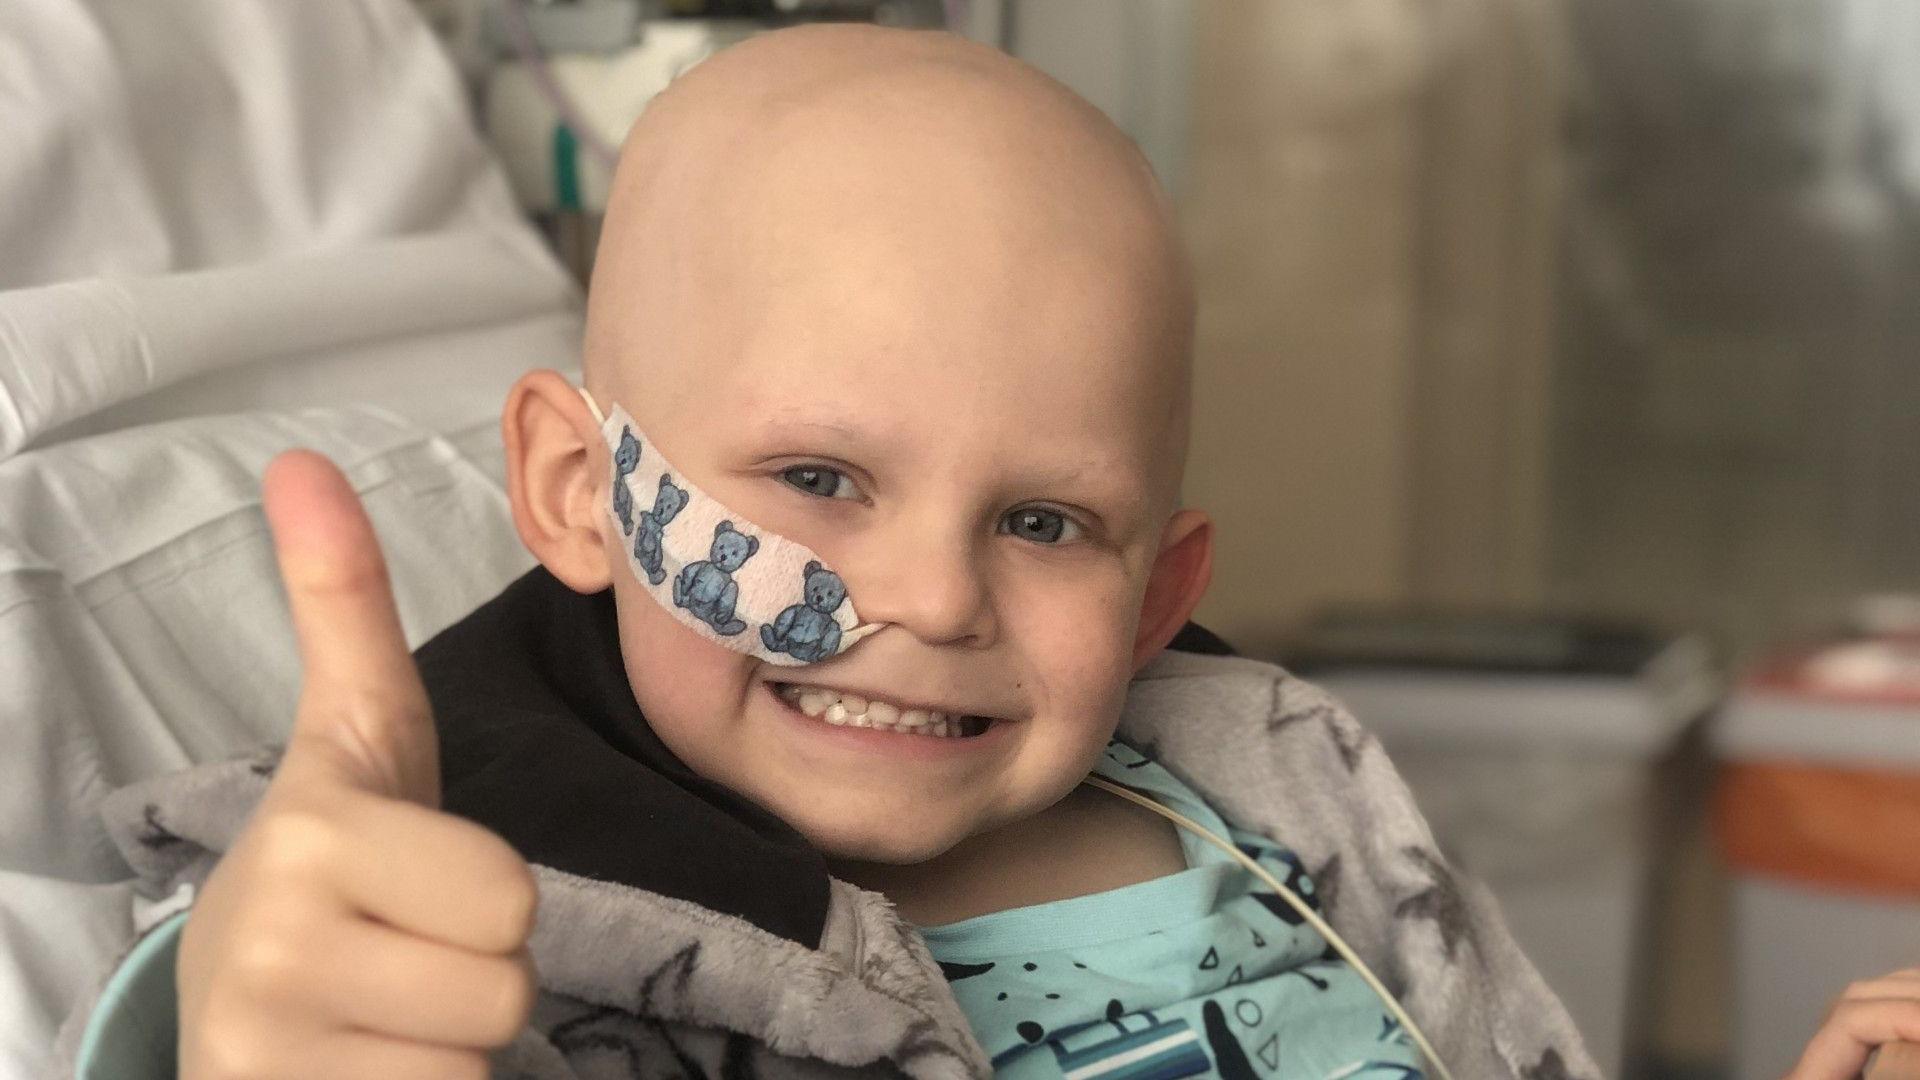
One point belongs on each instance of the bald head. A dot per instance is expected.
(950, 202)
(910, 304)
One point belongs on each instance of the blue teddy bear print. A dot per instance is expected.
(707, 588)
(625, 460)
(667, 504)
(806, 631)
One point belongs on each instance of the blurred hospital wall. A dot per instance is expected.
(1603, 305)
(1372, 200)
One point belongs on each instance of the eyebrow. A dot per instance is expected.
(1052, 474)
(779, 424)
(1063, 474)
(796, 427)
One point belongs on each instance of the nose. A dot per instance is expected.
(931, 585)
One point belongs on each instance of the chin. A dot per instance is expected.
(888, 843)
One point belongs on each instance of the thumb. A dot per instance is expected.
(364, 719)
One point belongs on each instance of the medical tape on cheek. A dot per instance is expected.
(722, 577)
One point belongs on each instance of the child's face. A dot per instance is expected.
(961, 387)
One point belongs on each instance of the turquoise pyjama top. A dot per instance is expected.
(1202, 973)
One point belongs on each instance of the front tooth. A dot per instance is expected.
(942, 728)
(837, 713)
(915, 718)
(814, 704)
(854, 702)
(882, 713)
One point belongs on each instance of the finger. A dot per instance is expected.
(362, 699)
(1882, 990)
(353, 1055)
(1895, 1061)
(1899, 984)
(376, 979)
(434, 875)
(1839, 1050)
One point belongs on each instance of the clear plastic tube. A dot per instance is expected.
(1306, 911)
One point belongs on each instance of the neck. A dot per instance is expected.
(959, 883)
(1087, 842)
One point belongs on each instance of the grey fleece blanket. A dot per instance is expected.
(635, 984)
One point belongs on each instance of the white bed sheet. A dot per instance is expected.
(213, 212)
(208, 205)
(435, 326)
(142, 629)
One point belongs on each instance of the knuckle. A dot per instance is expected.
(464, 1067)
(348, 575)
(298, 839)
(266, 961)
(370, 708)
(507, 894)
(519, 900)
(1857, 991)
(237, 1054)
(510, 1001)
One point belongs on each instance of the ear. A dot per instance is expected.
(812, 565)
(553, 472)
(1181, 572)
(753, 544)
(722, 529)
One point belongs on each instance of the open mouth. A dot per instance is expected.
(851, 710)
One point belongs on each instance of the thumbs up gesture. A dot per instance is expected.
(354, 930)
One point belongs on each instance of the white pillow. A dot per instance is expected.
(207, 206)
(163, 138)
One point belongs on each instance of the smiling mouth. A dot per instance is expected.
(851, 710)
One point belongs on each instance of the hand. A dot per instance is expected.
(1866, 1015)
(354, 930)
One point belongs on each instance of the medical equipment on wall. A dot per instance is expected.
(576, 75)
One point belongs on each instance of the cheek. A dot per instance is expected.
(1077, 632)
(689, 688)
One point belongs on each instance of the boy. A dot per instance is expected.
(878, 454)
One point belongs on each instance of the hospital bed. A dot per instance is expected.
(226, 229)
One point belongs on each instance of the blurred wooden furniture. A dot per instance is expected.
(1371, 198)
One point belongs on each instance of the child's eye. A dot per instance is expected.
(819, 480)
(1040, 525)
